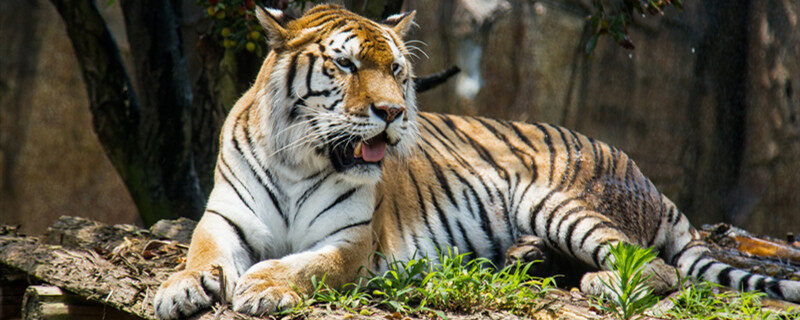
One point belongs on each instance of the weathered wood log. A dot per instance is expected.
(737, 247)
(52, 303)
(179, 230)
(82, 272)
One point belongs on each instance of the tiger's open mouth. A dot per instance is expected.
(354, 151)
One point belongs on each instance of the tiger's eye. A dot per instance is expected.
(345, 63)
(396, 67)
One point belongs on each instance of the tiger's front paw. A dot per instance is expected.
(529, 249)
(185, 293)
(594, 283)
(260, 292)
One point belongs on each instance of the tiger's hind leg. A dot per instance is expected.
(663, 278)
(546, 261)
(576, 230)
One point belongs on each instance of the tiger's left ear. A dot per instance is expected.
(274, 22)
(400, 22)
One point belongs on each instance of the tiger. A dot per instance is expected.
(326, 164)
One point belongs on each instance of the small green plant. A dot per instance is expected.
(398, 286)
(350, 297)
(631, 295)
(461, 285)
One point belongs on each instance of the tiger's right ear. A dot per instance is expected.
(274, 22)
(401, 22)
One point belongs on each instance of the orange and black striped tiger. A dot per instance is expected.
(326, 160)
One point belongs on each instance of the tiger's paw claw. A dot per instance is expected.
(529, 249)
(185, 293)
(257, 297)
(594, 283)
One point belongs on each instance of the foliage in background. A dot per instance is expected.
(235, 23)
(631, 295)
(613, 17)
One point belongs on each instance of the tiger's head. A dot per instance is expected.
(339, 89)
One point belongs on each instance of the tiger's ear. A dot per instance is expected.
(274, 22)
(401, 22)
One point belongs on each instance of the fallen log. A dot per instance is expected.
(83, 272)
(739, 248)
(52, 303)
(119, 267)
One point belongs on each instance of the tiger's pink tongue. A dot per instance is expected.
(374, 151)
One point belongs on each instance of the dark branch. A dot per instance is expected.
(432, 81)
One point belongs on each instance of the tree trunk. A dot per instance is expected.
(166, 127)
(714, 152)
(117, 114)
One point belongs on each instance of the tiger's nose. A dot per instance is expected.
(387, 112)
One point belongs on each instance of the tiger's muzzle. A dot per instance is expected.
(352, 151)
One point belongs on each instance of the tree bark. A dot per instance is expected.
(117, 114)
(713, 156)
(165, 88)
(765, 195)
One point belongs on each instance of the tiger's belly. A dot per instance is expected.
(416, 219)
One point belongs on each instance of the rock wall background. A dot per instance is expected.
(51, 163)
(706, 104)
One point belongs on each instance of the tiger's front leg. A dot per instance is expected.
(273, 285)
(213, 250)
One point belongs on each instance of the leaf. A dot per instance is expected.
(592, 43)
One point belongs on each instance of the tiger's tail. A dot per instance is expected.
(690, 254)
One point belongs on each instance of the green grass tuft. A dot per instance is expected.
(455, 284)
(706, 300)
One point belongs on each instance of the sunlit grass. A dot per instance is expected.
(705, 300)
(455, 284)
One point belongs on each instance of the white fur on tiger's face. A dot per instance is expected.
(326, 160)
(341, 95)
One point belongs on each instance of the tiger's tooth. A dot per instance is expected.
(357, 152)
